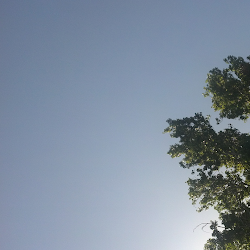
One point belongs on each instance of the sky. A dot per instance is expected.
(86, 89)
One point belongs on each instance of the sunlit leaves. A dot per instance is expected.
(230, 88)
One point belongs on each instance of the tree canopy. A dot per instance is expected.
(220, 161)
(230, 88)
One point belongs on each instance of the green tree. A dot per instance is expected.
(220, 161)
(230, 88)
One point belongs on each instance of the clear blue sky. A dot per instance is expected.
(86, 88)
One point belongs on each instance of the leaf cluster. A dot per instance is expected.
(230, 88)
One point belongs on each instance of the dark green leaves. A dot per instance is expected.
(201, 145)
(230, 88)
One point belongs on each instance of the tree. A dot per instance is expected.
(220, 161)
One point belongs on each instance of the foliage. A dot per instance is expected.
(230, 88)
(220, 161)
